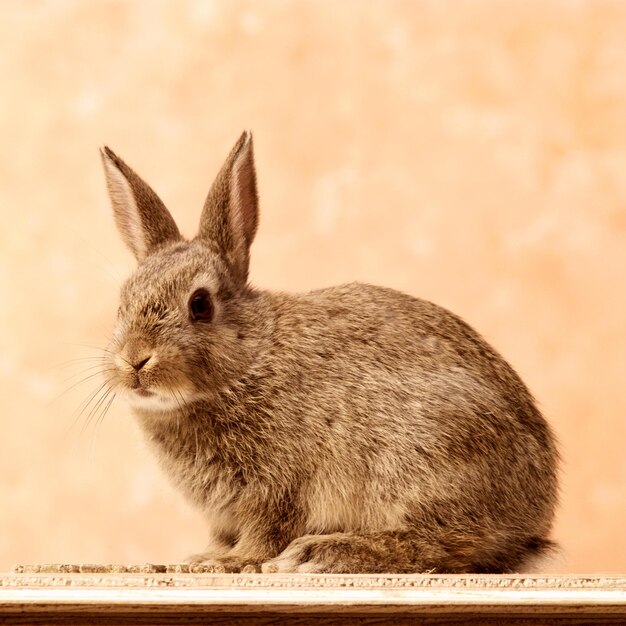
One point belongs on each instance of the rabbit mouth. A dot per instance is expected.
(137, 387)
(144, 393)
(158, 398)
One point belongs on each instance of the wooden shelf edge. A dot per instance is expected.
(311, 594)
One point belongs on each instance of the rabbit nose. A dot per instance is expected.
(139, 364)
(136, 353)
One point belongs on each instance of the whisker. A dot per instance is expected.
(175, 397)
(90, 397)
(83, 406)
(108, 406)
(106, 350)
(182, 399)
(73, 362)
(86, 370)
(197, 456)
(105, 410)
(89, 368)
(185, 405)
(81, 381)
(97, 405)
(91, 415)
(86, 345)
(182, 406)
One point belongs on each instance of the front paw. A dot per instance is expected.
(208, 564)
(312, 554)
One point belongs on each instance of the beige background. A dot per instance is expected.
(472, 153)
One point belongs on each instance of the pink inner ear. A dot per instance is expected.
(141, 216)
(230, 215)
(243, 196)
(125, 210)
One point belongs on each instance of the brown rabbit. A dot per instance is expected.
(350, 429)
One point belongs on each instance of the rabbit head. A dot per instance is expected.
(176, 336)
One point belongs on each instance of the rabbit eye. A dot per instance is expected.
(200, 306)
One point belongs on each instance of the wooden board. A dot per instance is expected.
(98, 594)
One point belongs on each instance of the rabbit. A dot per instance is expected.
(353, 429)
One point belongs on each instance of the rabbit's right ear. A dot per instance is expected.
(141, 217)
(230, 216)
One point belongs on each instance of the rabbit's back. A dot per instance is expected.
(394, 408)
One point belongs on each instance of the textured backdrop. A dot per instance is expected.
(472, 153)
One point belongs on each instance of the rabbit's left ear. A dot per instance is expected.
(140, 215)
(231, 214)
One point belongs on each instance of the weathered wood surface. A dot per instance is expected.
(151, 594)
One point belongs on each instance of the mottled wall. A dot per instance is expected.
(472, 153)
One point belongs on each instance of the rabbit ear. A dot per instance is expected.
(141, 217)
(230, 215)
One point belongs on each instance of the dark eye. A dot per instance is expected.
(200, 306)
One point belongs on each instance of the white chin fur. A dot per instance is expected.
(155, 402)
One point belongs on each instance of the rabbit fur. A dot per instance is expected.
(353, 429)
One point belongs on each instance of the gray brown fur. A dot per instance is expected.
(350, 429)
